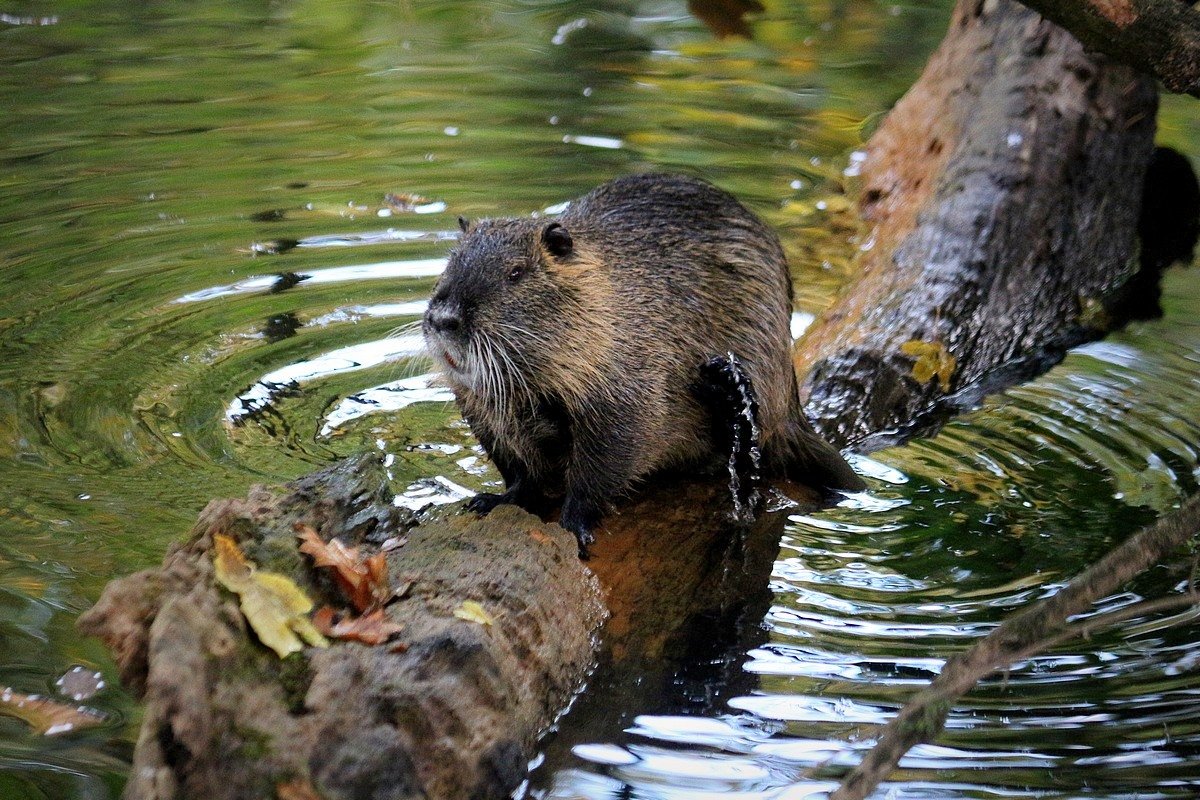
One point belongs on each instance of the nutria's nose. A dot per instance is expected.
(445, 318)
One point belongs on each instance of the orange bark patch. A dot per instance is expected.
(1119, 12)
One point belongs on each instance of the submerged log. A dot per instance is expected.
(1003, 191)
(453, 708)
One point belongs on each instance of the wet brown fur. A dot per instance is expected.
(604, 316)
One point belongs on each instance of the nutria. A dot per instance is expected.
(574, 345)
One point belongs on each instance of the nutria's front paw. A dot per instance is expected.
(484, 502)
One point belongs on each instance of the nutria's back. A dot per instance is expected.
(694, 274)
(574, 345)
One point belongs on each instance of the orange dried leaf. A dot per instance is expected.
(362, 580)
(373, 628)
(47, 717)
(377, 570)
(403, 202)
(538, 536)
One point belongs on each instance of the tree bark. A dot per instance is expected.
(454, 709)
(1003, 191)
(455, 715)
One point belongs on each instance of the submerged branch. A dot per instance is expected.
(1040, 626)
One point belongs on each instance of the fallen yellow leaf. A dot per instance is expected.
(472, 611)
(931, 359)
(272, 603)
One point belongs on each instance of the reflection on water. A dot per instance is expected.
(211, 262)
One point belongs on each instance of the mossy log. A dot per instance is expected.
(1004, 193)
(453, 711)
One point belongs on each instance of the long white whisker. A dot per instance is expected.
(495, 383)
(520, 383)
(406, 328)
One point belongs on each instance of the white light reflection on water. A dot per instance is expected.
(386, 398)
(346, 359)
(418, 268)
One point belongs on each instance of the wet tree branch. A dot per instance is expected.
(1033, 630)
(1003, 193)
(1160, 37)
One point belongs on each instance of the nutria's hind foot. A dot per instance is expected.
(581, 521)
(728, 393)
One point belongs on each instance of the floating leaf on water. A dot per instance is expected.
(932, 360)
(472, 611)
(273, 604)
(373, 628)
(47, 717)
(403, 202)
(362, 579)
(725, 17)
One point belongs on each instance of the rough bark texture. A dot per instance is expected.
(1161, 37)
(1004, 192)
(456, 715)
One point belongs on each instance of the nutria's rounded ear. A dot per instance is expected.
(463, 224)
(557, 240)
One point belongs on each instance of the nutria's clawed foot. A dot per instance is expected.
(484, 502)
(580, 522)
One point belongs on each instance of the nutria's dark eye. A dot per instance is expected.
(557, 240)
(515, 274)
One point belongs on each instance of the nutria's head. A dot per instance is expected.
(503, 308)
